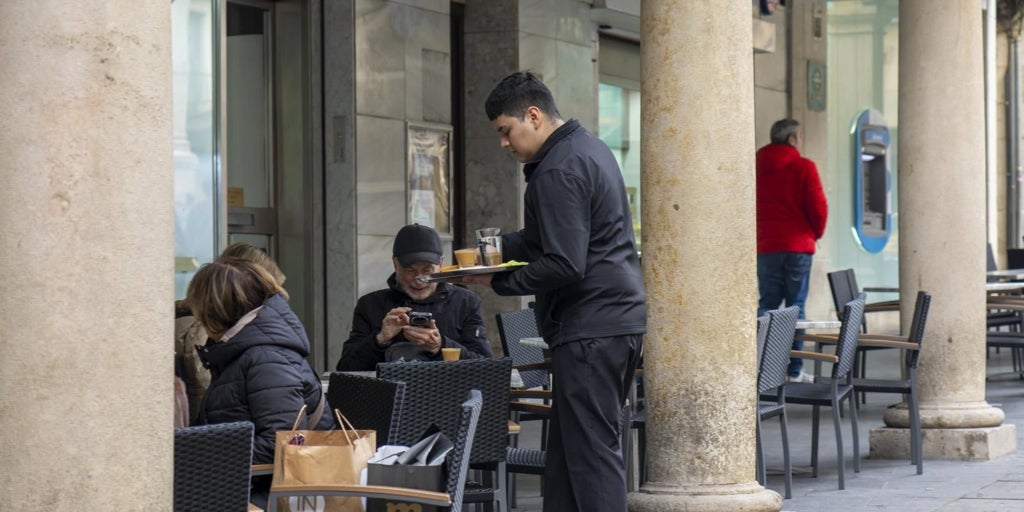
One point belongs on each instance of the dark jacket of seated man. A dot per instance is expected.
(456, 313)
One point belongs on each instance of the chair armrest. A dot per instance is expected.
(529, 407)
(543, 394)
(889, 344)
(546, 365)
(262, 469)
(827, 339)
(254, 508)
(888, 305)
(828, 358)
(370, 491)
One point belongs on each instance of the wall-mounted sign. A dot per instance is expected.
(236, 196)
(429, 169)
(816, 85)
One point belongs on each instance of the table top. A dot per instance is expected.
(818, 324)
(1002, 287)
(1013, 273)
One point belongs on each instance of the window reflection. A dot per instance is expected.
(195, 165)
(619, 110)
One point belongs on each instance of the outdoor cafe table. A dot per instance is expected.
(1010, 273)
(1003, 287)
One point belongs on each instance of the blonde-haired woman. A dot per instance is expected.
(189, 334)
(256, 355)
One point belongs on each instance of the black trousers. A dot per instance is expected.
(584, 469)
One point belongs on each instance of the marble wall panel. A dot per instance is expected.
(428, 68)
(565, 20)
(382, 29)
(435, 87)
(576, 83)
(539, 17)
(374, 262)
(439, 6)
(380, 175)
(770, 70)
(769, 106)
(488, 16)
(539, 54)
(489, 58)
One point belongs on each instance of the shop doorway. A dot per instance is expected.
(267, 142)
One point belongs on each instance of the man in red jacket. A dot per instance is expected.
(791, 215)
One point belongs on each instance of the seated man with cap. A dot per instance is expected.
(381, 328)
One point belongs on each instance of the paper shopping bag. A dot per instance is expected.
(317, 457)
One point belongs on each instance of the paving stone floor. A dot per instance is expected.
(945, 486)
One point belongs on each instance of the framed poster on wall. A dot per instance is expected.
(429, 175)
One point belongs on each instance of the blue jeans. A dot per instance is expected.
(782, 277)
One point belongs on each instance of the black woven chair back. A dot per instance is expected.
(434, 389)
(846, 349)
(211, 467)
(843, 284)
(775, 356)
(369, 403)
(458, 462)
(513, 326)
(916, 334)
(762, 334)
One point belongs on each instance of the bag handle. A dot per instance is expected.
(344, 422)
(298, 419)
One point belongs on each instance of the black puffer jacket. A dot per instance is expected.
(455, 310)
(261, 375)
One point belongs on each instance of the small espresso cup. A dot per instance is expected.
(451, 354)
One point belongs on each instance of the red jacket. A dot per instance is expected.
(791, 205)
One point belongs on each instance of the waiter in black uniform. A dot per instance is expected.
(585, 272)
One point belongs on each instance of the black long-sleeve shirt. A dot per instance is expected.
(578, 239)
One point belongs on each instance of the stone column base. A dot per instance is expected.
(750, 497)
(967, 444)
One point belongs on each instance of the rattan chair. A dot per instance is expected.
(466, 422)
(771, 381)
(369, 403)
(211, 467)
(905, 385)
(530, 362)
(835, 391)
(433, 386)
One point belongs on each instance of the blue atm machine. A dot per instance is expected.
(872, 212)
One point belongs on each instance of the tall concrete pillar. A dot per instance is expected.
(86, 254)
(699, 259)
(942, 231)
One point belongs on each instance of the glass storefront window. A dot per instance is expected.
(863, 68)
(195, 149)
(619, 128)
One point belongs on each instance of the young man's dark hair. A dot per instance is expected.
(518, 92)
(783, 129)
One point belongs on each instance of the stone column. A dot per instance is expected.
(942, 231)
(86, 252)
(699, 259)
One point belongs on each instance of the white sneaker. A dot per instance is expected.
(803, 377)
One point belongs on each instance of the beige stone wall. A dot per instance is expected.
(86, 231)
